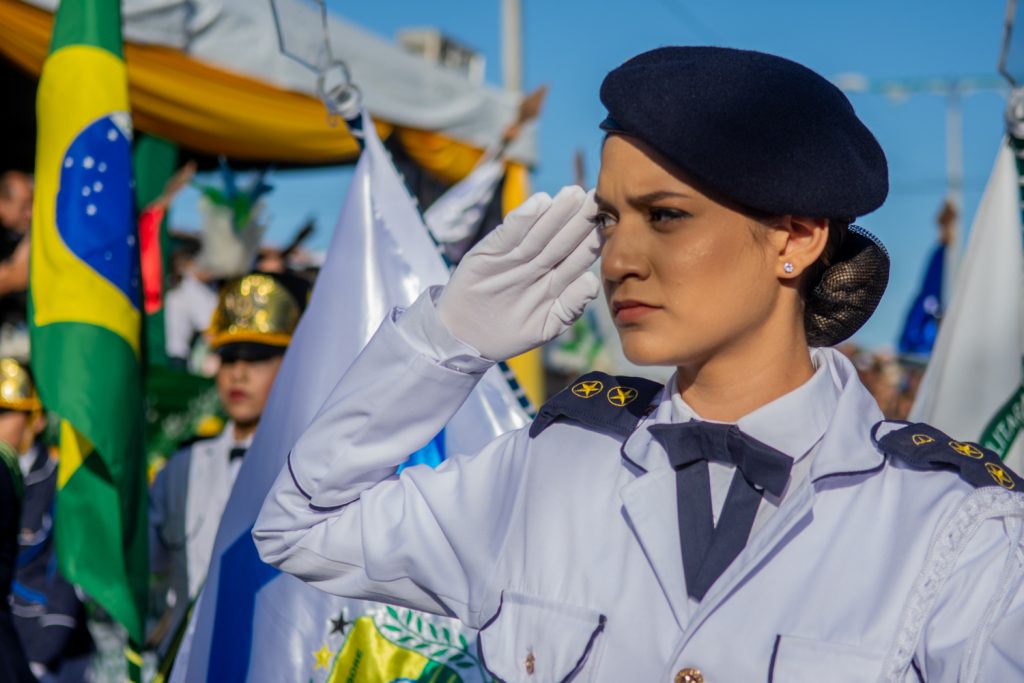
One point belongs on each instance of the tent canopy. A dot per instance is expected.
(208, 74)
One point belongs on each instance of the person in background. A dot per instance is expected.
(16, 192)
(187, 306)
(48, 614)
(190, 300)
(250, 330)
(271, 260)
(13, 663)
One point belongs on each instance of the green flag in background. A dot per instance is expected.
(85, 314)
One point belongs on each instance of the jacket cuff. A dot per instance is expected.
(421, 328)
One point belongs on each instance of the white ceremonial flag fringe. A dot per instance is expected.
(972, 388)
(253, 623)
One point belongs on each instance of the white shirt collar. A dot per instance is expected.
(225, 441)
(792, 423)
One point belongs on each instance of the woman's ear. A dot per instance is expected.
(800, 242)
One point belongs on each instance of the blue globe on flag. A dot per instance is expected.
(95, 203)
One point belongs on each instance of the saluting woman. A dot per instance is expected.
(752, 520)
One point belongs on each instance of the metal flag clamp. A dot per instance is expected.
(342, 98)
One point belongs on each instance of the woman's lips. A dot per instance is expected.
(627, 312)
(237, 395)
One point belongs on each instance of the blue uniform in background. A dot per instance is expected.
(13, 666)
(48, 614)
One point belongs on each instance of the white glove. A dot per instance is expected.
(527, 281)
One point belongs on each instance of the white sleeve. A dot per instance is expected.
(975, 630)
(202, 301)
(339, 518)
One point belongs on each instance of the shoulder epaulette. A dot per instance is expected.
(924, 447)
(606, 402)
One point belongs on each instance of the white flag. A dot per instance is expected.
(457, 213)
(253, 623)
(972, 388)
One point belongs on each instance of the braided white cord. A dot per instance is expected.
(1006, 590)
(951, 537)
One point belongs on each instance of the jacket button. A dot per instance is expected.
(689, 675)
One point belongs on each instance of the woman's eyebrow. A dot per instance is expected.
(601, 201)
(657, 196)
(643, 199)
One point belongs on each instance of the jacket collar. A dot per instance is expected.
(222, 443)
(847, 448)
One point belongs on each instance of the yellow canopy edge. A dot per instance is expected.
(220, 112)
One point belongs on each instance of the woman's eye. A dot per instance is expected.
(602, 221)
(657, 215)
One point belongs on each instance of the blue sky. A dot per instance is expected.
(572, 44)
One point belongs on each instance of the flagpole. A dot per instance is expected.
(955, 184)
(512, 45)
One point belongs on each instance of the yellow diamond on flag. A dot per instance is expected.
(74, 449)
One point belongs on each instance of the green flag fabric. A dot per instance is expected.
(85, 312)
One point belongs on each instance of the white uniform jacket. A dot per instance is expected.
(186, 502)
(564, 550)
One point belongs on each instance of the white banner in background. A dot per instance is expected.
(253, 623)
(972, 388)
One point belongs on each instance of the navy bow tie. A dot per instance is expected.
(688, 442)
(709, 550)
(236, 452)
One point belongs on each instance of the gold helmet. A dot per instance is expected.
(259, 308)
(17, 391)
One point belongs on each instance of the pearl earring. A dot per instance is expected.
(788, 267)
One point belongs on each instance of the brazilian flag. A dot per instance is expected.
(85, 309)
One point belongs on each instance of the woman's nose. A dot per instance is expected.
(622, 255)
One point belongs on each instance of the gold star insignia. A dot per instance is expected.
(322, 657)
(1000, 476)
(620, 396)
(968, 450)
(588, 388)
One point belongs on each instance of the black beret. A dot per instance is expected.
(762, 131)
